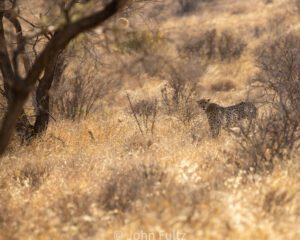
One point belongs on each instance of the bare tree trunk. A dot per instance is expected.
(52, 72)
(5, 65)
(8, 74)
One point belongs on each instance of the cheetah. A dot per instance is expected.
(226, 117)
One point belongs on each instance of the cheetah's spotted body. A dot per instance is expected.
(226, 117)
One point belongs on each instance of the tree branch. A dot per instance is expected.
(42, 93)
(20, 42)
(5, 64)
(57, 43)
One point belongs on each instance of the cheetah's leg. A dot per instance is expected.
(215, 130)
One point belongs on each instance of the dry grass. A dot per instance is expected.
(101, 179)
(82, 187)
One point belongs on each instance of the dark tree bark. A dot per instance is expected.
(42, 94)
(24, 128)
(21, 88)
(7, 71)
(5, 64)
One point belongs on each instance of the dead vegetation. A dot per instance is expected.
(186, 7)
(122, 189)
(224, 46)
(75, 97)
(178, 95)
(276, 135)
(144, 113)
(143, 164)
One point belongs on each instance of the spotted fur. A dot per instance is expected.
(226, 117)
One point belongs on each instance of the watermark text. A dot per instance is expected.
(142, 235)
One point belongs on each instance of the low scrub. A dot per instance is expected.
(138, 41)
(276, 135)
(76, 97)
(186, 7)
(224, 46)
(144, 113)
(126, 186)
(178, 96)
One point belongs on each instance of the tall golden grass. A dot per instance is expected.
(100, 178)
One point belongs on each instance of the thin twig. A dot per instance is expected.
(134, 114)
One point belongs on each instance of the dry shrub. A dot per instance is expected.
(144, 113)
(153, 63)
(181, 90)
(203, 46)
(277, 24)
(211, 45)
(125, 186)
(270, 139)
(138, 143)
(268, 1)
(230, 47)
(75, 209)
(276, 135)
(223, 86)
(186, 7)
(188, 113)
(145, 47)
(138, 41)
(279, 79)
(78, 96)
(32, 175)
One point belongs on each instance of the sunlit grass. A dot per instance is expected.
(100, 176)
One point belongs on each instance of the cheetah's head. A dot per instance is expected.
(203, 103)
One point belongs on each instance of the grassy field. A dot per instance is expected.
(100, 178)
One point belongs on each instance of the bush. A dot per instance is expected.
(153, 63)
(276, 135)
(181, 90)
(138, 41)
(147, 48)
(230, 47)
(74, 209)
(189, 6)
(279, 76)
(268, 1)
(224, 86)
(124, 187)
(144, 113)
(77, 97)
(270, 139)
(211, 45)
(203, 46)
(32, 175)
